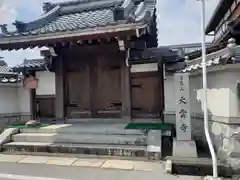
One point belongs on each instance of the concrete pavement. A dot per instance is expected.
(16, 171)
(80, 162)
(23, 167)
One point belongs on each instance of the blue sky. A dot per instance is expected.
(178, 21)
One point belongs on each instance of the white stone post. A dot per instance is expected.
(183, 145)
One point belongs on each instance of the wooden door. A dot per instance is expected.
(46, 107)
(107, 97)
(78, 89)
(146, 93)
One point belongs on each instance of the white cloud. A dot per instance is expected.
(9, 13)
(178, 22)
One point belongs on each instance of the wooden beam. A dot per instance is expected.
(125, 91)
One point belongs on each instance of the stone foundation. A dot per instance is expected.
(10, 118)
(225, 137)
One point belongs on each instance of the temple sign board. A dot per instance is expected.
(183, 113)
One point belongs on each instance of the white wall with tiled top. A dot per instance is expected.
(221, 94)
(223, 110)
(14, 99)
(46, 83)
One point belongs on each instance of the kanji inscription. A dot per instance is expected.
(183, 113)
(183, 121)
(182, 100)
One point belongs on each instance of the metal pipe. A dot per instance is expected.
(204, 74)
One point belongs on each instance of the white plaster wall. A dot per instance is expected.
(14, 99)
(218, 94)
(144, 67)
(9, 99)
(234, 109)
(24, 100)
(46, 83)
(169, 94)
(221, 94)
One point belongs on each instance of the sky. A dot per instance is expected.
(178, 22)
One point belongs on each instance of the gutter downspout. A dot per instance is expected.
(205, 105)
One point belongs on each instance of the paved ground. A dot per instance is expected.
(76, 162)
(18, 167)
(15, 171)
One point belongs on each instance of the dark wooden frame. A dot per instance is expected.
(33, 100)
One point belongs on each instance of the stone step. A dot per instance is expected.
(80, 138)
(117, 129)
(80, 149)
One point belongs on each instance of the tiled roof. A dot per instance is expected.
(154, 55)
(6, 75)
(76, 15)
(3, 63)
(221, 9)
(173, 62)
(4, 69)
(221, 57)
(29, 64)
(209, 63)
(10, 79)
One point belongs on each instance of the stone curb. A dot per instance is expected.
(6, 135)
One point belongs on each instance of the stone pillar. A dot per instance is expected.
(183, 146)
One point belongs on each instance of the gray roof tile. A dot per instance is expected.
(75, 15)
(6, 75)
(32, 63)
(221, 57)
(4, 69)
(2, 63)
(154, 55)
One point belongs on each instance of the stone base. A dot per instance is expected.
(127, 151)
(184, 149)
(211, 178)
(195, 167)
(154, 144)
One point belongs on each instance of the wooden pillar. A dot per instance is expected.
(60, 110)
(33, 100)
(125, 91)
(162, 100)
(91, 65)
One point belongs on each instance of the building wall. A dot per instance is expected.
(223, 101)
(15, 100)
(14, 103)
(46, 83)
(223, 109)
(8, 99)
(24, 100)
